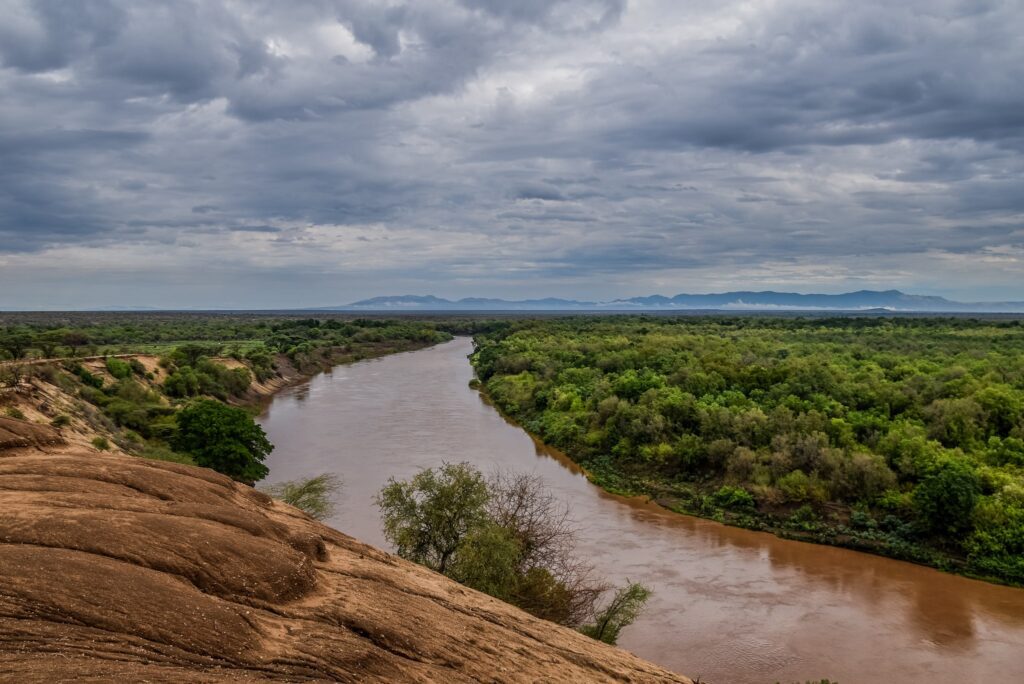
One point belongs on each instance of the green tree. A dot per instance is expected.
(224, 438)
(486, 560)
(16, 343)
(430, 516)
(946, 498)
(182, 383)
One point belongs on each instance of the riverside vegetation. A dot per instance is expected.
(902, 436)
(193, 402)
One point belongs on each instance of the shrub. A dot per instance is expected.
(182, 383)
(118, 368)
(101, 443)
(86, 377)
(61, 421)
(14, 412)
(313, 495)
(804, 518)
(795, 486)
(735, 498)
(137, 367)
(623, 609)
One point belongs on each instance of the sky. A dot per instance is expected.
(264, 154)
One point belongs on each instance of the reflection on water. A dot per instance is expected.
(730, 605)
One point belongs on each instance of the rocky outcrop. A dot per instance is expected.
(19, 433)
(114, 568)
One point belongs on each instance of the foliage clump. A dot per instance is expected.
(507, 536)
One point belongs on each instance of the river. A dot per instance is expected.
(729, 605)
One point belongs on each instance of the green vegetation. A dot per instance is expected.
(224, 438)
(903, 436)
(121, 370)
(252, 337)
(178, 412)
(314, 495)
(101, 443)
(622, 610)
(506, 536)
(13, 412)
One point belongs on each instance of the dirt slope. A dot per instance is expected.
(117, 568)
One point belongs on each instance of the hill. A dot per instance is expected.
(114, 568)
(873, 301)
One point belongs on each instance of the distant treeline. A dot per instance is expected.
(27, 336)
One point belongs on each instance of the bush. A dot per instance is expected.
(734, 498)
(101, 443)
(61, 421)
(86, 377)
(795, 486)
(14, 412)
(313, 495)
(621, 611)
(118, 368)
(223, 438)
(182, 383)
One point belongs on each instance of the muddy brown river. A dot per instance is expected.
(730, 605)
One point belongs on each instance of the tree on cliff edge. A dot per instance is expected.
(224, 438)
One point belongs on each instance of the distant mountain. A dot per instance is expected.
(863, 300)
(431, 303)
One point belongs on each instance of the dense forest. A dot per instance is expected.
(903, 436)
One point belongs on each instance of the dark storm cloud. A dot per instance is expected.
(538, 147)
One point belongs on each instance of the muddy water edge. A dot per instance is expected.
(730, 605)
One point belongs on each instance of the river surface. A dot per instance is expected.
(729, 605)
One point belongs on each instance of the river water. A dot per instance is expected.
(729, 605)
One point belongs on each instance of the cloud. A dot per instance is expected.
(587, 148)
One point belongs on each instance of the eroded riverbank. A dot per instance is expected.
(731, 605)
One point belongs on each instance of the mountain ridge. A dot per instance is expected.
(738, 300)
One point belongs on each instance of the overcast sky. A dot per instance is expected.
(266, 154)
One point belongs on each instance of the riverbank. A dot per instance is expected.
(729, 604)
(63, 393)
(694, 499)
(897, 439)
(288, 374)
